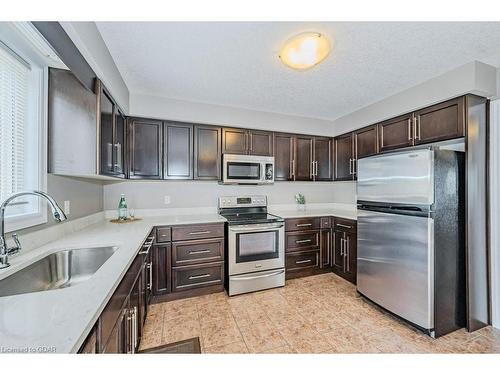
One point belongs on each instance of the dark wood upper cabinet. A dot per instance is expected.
(260, 143)
(344, 155)
(366, 142)
(303, 158)
(145, 148)
(178, 154)
(439, 122)
(112, 132)
(396, 133)
(283, 156)
(234, 141)
(247, 142)
(120, 142)
(107, 110)
(207, 152)
(323, 159)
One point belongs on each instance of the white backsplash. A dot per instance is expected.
(203, 195)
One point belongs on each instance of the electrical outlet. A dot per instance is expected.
(166, 199)
(67, 208)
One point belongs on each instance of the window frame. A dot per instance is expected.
(40, 70)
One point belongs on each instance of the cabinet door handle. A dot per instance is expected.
(347, 254)
(417, 127)
(311, 174)
(201, 232)
(303, 225)
(192, 252)
(341, 247)
(136, 328)
(350, 166)
(130, 332)
(302, 241)
(344, 226)
(303, 261)
(204, 276)
(150, 268)
(293, 168)
(409, 129)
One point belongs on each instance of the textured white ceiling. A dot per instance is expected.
(236, 64)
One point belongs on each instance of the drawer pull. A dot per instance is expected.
(194, 277)
(163, 235)
(303, 225)
(303, 241)
(198, 251)
(303, 261)
(197, 233)
(147, 244)
(344, 226)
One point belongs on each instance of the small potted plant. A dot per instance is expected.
(301, 202)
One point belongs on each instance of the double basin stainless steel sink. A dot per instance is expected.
(58, 270)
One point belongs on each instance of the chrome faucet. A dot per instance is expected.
(5, 251)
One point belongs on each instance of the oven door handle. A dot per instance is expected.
(258, 276)
(266, 228)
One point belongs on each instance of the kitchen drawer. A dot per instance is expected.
(303, 223)
(197, 276)
(163, 234)
(195, 232)
(197, 251)
(326, 222)
(301, 260)
(304, 240)
(345, 224)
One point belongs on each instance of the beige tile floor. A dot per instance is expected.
(317, 314)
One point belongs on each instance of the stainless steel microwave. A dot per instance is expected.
(247, 169)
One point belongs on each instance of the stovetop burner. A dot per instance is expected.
(246, 210)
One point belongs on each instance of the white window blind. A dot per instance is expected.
(22, 136)
(14, 83)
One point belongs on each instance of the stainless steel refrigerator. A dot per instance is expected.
(411, 236)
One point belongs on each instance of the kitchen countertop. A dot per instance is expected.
(60, 320)
(346, 213)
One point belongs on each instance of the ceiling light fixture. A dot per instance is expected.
(305, 50)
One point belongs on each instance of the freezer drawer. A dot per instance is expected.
(401, 177)
(395, 264)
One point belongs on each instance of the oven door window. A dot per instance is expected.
(257, 246)
(243, 171)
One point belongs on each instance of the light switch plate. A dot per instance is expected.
(166, 199)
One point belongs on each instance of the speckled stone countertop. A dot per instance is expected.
(60, 320)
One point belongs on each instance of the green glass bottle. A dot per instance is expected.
(122, 208)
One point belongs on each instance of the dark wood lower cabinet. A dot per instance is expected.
(308, 246)
(344, 261)
(325, 248)
(161, 265)
(192, 264)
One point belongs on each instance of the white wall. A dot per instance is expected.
(89, 42)
(179, 110)
(495, 210)
(475, 78)
(186, 194)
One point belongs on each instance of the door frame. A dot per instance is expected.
(494, 211)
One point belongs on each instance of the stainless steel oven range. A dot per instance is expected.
(255, 245)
